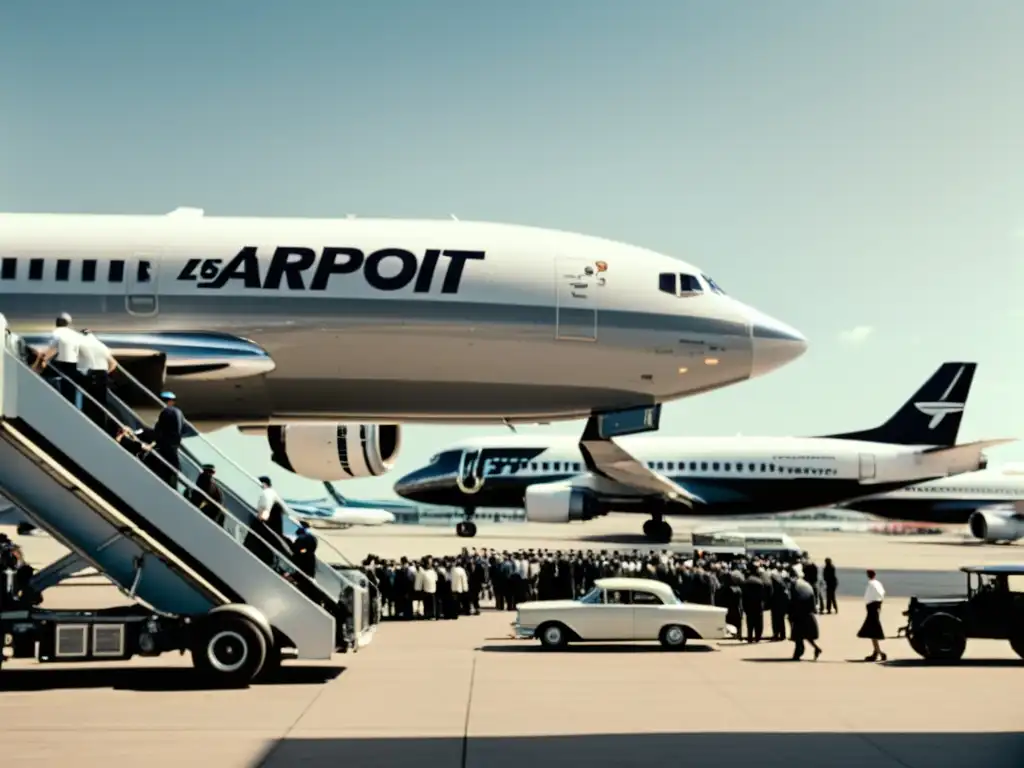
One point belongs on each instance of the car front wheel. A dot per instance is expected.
(943, 638)
(673, 637)
(553, 636)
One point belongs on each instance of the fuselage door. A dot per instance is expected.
(142, 285)
(576, 300)
(867, 466)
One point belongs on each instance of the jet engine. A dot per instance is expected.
(992, 527)
(561, 503)
(332, 452)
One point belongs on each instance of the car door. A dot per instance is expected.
(615, 616)
(648, 615)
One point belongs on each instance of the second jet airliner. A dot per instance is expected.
(561, 480)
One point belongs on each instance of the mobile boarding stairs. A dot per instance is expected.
(197, 584)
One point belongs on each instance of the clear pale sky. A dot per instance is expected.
(856, 169)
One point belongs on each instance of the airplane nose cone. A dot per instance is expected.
(774, 344)
(407, 486)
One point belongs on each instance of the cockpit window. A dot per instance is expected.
(713, 285)
(679, 284)
(689, 284)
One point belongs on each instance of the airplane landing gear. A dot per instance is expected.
(467, 528)
(657, 530)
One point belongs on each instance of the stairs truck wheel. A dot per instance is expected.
(229, 650)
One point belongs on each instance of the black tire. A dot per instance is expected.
(943, 638)
(672, 638)
(918, 646)
(1017, 642)
(229, 650)
(553, 636)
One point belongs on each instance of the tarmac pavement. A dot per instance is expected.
(462, 693)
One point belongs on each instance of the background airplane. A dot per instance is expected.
(990, 502)
(353, 321)
(562, 480)
(334, 511)
(337, 511)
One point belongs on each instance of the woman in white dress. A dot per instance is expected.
(871, 629)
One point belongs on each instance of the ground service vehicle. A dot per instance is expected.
(938, 628)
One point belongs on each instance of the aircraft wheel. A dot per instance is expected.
(465, 529)
(649, 527)
(663, 533)
(229, 650)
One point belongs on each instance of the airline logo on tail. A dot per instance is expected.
(940, 408)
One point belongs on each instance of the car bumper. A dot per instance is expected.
(521, 632)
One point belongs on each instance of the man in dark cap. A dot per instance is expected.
(168, 431)
(207, 495)
(304, 549)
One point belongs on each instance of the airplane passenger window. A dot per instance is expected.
(116, 274)
(739, 466)
(9, 270)
(544, 466)
(752, 466)
(89, 271)
(689, 284)
(142, 274)
(575, 466)
(693, 466)
(704, 466)
(771, 467)
(63, 270)
(728, 466)
(35, 269)
(714, 466)
(667, 283)
(661, 465)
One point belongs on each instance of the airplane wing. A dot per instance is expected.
(604, 457)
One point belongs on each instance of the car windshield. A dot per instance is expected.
(593, 596)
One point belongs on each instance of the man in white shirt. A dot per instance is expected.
(95, 364)
(460, 587)
(63, 350)
(430, 592)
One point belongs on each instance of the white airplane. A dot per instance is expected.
(333, 511)
(990, 502)
(337, 511)
(324, 333)
(561, 479)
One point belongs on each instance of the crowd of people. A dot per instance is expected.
(748, 588)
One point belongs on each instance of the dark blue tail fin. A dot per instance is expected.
(335, 494)
(932, 416)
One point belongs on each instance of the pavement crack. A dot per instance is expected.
(273, 750)
(469, 709)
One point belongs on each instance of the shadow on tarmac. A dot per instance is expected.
(533, 647)
(165, 679)
(766, 750)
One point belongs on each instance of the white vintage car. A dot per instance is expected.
(621, 609)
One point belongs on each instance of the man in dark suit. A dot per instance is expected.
(753, 606)
(831, 585)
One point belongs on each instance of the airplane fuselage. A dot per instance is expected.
(947, 500)
(378, 319)
(730, 476)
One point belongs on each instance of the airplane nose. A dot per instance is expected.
(774, 344)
